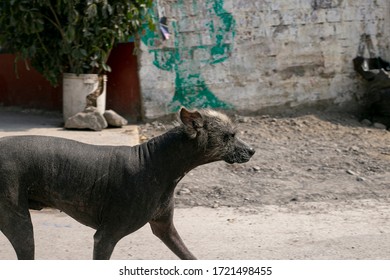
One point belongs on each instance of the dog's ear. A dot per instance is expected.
(192, 120)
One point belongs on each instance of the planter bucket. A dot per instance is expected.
(76, 88)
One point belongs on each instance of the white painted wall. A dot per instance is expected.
(283, 53)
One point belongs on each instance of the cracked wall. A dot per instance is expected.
(249, 54)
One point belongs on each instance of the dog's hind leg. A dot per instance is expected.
(16, 225)
(164, 229)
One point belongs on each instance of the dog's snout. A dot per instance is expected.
(248, 149)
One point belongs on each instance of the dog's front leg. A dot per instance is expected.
(164, 229)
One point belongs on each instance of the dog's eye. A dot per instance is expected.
(228, 136)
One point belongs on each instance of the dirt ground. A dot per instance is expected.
(318, 187)
(314, 157)
(312, 168)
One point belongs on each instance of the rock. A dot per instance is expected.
(241, 119)
(350, 172)
(366, 122)
(183, 191)
(113, 119)
(90, 118)
(379, 125)
(355, 149)
(256, 168)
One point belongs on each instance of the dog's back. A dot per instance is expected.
(54, 172)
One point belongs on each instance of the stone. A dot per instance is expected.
(350, 172)
(379, 125)
(183, 191)
(256, 168)
(90, 118)
(114, 119)
(215, 205)
(366, 122)
(355, 149)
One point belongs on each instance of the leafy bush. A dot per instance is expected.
(74, 36)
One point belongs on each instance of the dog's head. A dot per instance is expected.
(216, 134)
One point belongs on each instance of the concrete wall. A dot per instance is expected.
(251, 54)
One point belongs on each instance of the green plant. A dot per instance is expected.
(75, 36)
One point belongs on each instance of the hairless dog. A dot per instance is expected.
(115, 190)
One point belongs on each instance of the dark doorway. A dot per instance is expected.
(123, 86)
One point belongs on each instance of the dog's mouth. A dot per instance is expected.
(230, 161)
(240, 158)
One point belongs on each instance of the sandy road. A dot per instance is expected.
(354, 230)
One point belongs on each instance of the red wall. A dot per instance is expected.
(123, 86)
(31, 90)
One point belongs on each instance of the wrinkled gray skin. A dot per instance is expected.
(115, 190)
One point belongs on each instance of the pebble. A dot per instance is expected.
(350, 172)
(243, 120)
(256, 168)
(183, 191)
(355, 149)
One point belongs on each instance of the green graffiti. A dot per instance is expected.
(189, 54)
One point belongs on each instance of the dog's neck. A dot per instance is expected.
(174, 153)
